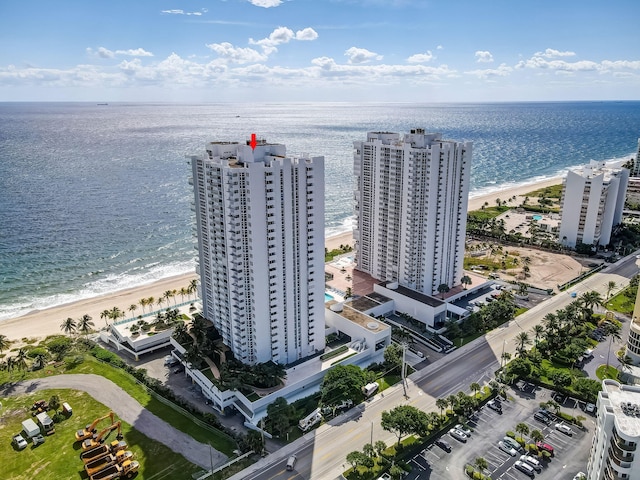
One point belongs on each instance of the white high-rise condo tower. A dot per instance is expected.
(411, 208)
(260, 228)
(592, 203)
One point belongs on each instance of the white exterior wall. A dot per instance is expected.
(411, 208)
(614, 452)
(592, 204)
(260, 226)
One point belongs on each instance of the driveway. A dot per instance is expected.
(601, 350)
(129, 410)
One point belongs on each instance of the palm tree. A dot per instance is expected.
(115, 313)
(39, 361)
(522, 340)
(481, 464)
(85, 324)
(193, 286)
(20, 360)
(614, 334)
(625, 361)
(105, 314)
(150, 302)
(475, 388)
(536, 436)
(69, 326)
(167, 295)
(441, 403)
(610, 287)
(538, 331)
(465, 280)
(183, 292)
(522, 428)
(4, 343)
(452, 400)
(442, 289)
(132, 308)
(590, 300)
(380, 447)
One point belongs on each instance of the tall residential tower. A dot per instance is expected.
(260, 228)
(411, 208)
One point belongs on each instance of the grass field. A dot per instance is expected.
(58, 458)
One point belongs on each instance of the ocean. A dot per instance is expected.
(95, 198)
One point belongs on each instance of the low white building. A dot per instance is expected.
(614, 451)
(369, 336)
(592, 203)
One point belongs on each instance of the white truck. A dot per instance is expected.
(369, 389)
(46, 423)
(310, 420)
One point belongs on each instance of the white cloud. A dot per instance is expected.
(502, 71)
(361, 55)
(138, 52)
(237, 54)
(182, 12)
(421, 57)
(306, 34)
(283, 35)
(103, 52)
(482, 56)
(439, 47)
(551, 53)
(265, 3)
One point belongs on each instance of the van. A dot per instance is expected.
(291, 462)
(513, 444)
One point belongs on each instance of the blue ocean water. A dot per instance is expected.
(95, 198)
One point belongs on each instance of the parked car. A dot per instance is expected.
(37, 440)
(506, 448)
(542, 417)
(458, 435)
(463, 429)
(564, 428)
(589, 408)
(493, 405)
(544, 446)
(534, 462)
(19, 442)
(443, 444)
(580, 476)
(179, 369)
(170, 361)
(513, 444)
(524, 468)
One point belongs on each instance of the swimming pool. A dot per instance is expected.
(328, 297)
(537, 218)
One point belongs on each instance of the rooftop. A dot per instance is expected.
(625, 402)
(359, 318)
(420, 297)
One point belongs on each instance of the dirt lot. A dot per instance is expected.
(546, 269)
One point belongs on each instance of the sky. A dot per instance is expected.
(267, 51)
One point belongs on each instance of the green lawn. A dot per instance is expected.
(621, 304)
(219, 440)
(58, 458)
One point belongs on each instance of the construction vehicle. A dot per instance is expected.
(90, 429)
(127, 469)
(98, 464)
(39, 407)
(102, 450)
(97, 438)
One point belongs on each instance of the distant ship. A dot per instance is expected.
(103, 104)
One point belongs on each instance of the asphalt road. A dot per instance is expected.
(321, 453)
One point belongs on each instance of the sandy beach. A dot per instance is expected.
(47, 322)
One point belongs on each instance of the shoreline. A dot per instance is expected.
(43, 322)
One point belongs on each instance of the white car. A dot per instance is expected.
(580, 476)
(534, 462)
(524, 468)
(463, 429)
(507, 449)
(590, 408)
(19, 442)
(458, 435)
(561, 427)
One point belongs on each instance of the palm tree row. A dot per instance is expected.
(84, 325)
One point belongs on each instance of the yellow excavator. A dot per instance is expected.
(90, 429)
(96, 440)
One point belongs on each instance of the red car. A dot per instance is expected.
(544, 446)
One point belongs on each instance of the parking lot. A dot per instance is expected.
(571, 453)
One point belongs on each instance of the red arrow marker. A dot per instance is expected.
(253, 141)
